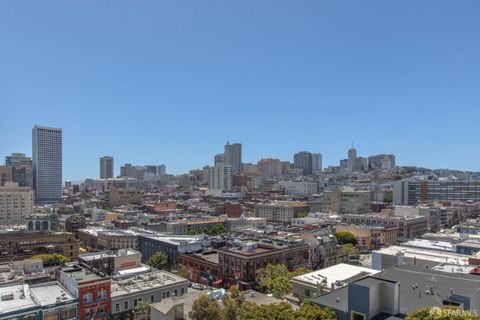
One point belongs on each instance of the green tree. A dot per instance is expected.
(233, 304)
(275, 279)
(388, 197)
(350, 249)
(192, 232)
(204, 308)
(51, 259)
(346, 237)
(181, 273)
(158, 261)
(436, 313)
(274, 311)
(310, 311)
(142, 311)
(302, 214)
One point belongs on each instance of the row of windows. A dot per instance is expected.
(153, 298)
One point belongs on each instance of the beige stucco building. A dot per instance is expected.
(16, 204)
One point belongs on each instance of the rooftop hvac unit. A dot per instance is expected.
(8, 295)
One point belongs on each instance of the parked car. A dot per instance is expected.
(198, 286)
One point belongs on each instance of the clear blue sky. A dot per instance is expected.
(153, 82)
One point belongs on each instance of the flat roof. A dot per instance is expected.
(146, 281)
(174, 239)
(48, 293)
(430, 244)
(341, 272)
(81, 274)
(130, 271)
(425, 254)
(21, 298)
(211, 256)
(442, 284)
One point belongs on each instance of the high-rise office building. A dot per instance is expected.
(47, 164)
(162, 170)
(352, 158)
(233, 156)
(127, 170)
(106, 167)
(220, 177)
(382, 161)
(303, 160)
(151, 169)
(316, 162)
(218, 159)
(22, 169)
(413, 192)
(270, 167)
(17, 159)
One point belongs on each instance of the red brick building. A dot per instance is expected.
(239, 264)
(92, 290)
(232, 210)
(202, 267)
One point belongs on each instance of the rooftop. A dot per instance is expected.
(174, 239)
(425, 254)
(442, 283)
(15, 297)
(141, 282)
(339, 273)
(80, 274)
(430, 244)
(50, 293)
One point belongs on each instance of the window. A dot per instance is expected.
(152, 298)
(70, 313)
(102, 294)
(117, 307)
(125, 305)
(357, 316)
(135, 302)
(51, 315)
(87, 297)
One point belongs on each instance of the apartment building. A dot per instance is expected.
(280, 211)
(346, 201)
(16, 204)
(239, 263)
(18, 245)
(408, 227)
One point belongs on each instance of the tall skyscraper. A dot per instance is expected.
(47, 164)
(220, 177)
(316, 162)
(303, 160)
(106, 167)
(233, 156)
(352, 158)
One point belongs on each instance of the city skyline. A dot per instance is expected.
(168, 85)
(117, 165)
